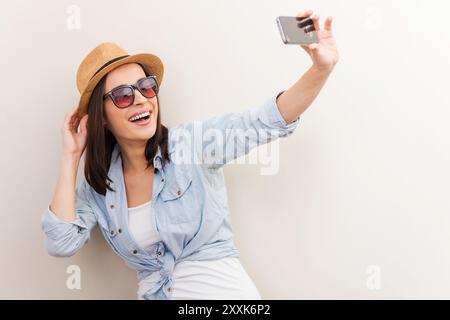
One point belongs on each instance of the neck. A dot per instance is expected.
(133, 158)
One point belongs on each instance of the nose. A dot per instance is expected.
(138, 97)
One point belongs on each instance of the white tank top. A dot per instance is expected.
(223, 278)
(141, 226)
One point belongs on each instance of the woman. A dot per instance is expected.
(158, 195)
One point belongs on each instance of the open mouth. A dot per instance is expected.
(140, 118)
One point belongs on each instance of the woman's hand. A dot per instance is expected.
(74, 142)
(324, 54)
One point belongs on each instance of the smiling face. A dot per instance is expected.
(118, 121)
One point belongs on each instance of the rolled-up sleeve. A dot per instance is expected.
(65, 238)
(271, 118)
(231, 135)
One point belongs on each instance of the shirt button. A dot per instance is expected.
(162, 180)
(178, 192)
(134, 251)
(111, 206)
(119, 230)
(158, 253)
(169, 289)
(112, 232)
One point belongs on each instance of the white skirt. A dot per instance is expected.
(222, 279)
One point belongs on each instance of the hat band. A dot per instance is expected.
(108, 63)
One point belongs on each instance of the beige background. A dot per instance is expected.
(362, 182)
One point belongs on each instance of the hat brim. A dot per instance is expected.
(152, 62)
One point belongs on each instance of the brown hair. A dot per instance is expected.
(100, 142)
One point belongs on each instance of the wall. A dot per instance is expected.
(359, 207)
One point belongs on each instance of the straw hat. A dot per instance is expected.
(104, 58)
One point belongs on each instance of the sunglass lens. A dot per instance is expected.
(123, 97)
(148, 87)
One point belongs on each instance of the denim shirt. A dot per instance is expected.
(189, 201)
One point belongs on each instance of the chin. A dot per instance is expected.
(147, 133)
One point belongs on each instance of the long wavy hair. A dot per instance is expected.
(100, 141)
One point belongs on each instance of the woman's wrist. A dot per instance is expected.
(71, 157)
(325, 70)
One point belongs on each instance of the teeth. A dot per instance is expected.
(139, 116)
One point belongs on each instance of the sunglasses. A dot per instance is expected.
(123, 95)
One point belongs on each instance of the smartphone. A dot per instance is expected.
(296, 30)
